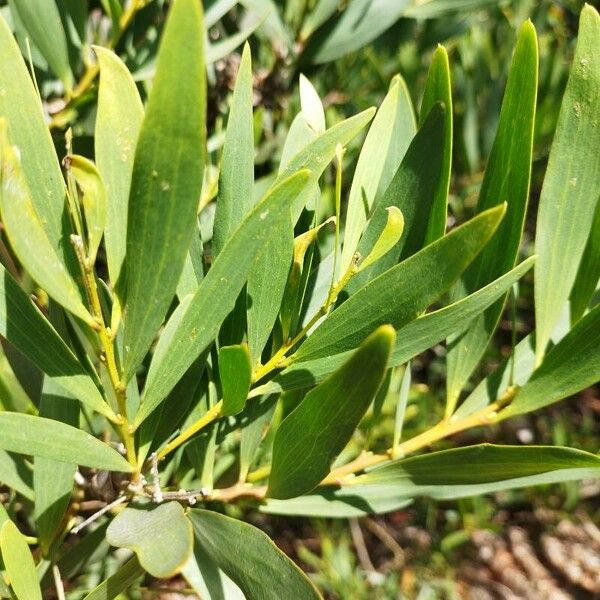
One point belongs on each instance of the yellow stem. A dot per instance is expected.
(443, 429)
(212, 414)
(108, 350)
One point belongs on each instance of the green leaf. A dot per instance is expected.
(442, 475)
(44, 26)
(266, 286)
(439, 89)
(318, 153)
(250, 558)
(572, 365)
(235, 371)
(27, 235)
(24, 326)
(401, 293)
(360, 23)
(16, 474)
(217, 293)
(118, 121)
(93, 199)
(209, 582)
(382, 152)
(27, 130)
(312, 107)
(317, 430)
(412, 190)
(299, 135)
(570, 190)
(437, 8)
(412, 339)
(118, 582)
(335, 503)
(506, 180)
(19, 564)
(388, 239)
(53, 480)
(161, 537)
(166, 180)
(236, 176)
(38, 436)
(588, 273)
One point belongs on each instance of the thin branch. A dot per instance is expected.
(97, 515)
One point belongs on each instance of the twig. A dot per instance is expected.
(58, 584)
(97, 515)
(361, 548)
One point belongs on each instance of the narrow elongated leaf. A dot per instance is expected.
(317, 154)
(266, 286)
(401, 293)
(236, 176)
(166, 180)
(299, 135)
(42, 21)
(412, 190)
(19, 563)
(161, 537)
(317, 430)
(506, 180)
(389, 135)
(27, 130)
(93, 199)
(589, 271)
(118, 582)
(27, 235)
(53, 480)
(441, 475)
(38, 436)
(24, 326)
(335, 503)
(571, 184)
(438, 89)
(235, 370)
(250, 558)
(118, 121)
(411, 339)
(217, 292)
(572, 365)
(15, 474)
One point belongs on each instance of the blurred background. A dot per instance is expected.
(541, 543)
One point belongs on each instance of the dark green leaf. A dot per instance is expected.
(570, 191)
(38, 436)
(166, 180)
(16, 474)
(118, 121)
(235, 371)
(250, 558)
(442, 475)
(506, 180)
(315, 432)
(236, 176)
(438, 89)
(24, 326)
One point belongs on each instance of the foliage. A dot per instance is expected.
(187, 319)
